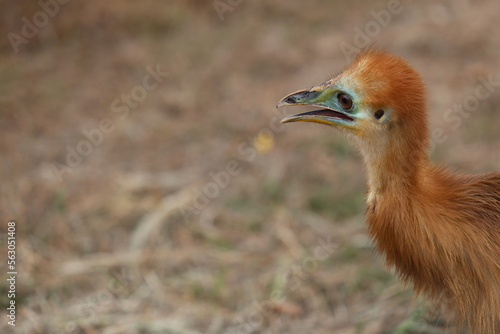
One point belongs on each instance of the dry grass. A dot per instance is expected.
(116, 246)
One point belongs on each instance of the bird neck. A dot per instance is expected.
(395, 171)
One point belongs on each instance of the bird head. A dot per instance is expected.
(378, 100)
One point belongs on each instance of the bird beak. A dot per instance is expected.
(322, 97)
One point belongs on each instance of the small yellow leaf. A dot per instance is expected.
(264, 141)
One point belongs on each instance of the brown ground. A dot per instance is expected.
(122, 241)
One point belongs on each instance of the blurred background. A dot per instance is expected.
(154, 190)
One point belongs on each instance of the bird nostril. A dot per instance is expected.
(290, 100)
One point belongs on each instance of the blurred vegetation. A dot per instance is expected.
(123, 242)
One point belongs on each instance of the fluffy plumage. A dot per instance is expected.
(439, 230)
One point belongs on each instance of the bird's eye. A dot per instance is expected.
(379, 113)
(345, 101)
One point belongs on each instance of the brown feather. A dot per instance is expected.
(439, 230)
